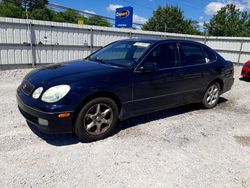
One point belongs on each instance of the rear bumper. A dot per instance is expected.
(46, 122)
(228, 83)
(245, 72)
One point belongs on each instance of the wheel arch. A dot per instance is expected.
(219, 81)
(93, 96)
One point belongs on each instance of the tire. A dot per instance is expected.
(246, 79)
(211, 96)
(97, 119)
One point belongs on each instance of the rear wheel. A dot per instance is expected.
(211, 96)
(97, 119)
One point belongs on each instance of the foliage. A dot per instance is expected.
(229, 21)
(36, 4)
(37, 9)
(30, 4)
(10, 10)
(16, 2)
(41, 14)
(70, 16)
(58, 17)
(170, 19)
(96, 20)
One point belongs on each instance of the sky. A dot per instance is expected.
(199, 10)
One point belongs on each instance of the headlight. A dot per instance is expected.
(36, 94)
(55, 93)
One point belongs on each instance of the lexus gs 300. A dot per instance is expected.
(125, 79)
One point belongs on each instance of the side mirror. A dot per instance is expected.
(148, 67)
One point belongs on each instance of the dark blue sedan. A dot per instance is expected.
(122, 80)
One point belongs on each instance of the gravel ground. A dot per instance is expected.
(183, 147)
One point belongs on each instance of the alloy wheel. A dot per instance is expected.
(98, 119)
(212, 95)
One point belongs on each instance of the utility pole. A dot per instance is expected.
(26, 11)
(165, 25)
(30, 33)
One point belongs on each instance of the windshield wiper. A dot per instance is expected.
(97, 60)
(100, 61)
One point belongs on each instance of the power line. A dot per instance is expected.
(137, 4)
(53, 5)
(57, 6)
(186, 3)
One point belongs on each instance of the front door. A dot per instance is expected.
(162, 86)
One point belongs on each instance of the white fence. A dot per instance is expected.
(38, 42)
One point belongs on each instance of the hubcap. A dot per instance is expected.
(212, 95)
(98, 119)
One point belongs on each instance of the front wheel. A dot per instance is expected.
(97, 119)
(211, 96)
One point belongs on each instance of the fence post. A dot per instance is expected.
(31, 44)
(206, 37)
(241, 46)
(205, 40)
(92, 40)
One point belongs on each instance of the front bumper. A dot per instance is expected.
(40, 118)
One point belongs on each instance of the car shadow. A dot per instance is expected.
(244, 79)
(162, 115)
(55, 139)
(70, 139)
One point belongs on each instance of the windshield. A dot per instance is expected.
(122, 53)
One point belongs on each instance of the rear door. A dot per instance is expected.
(195, 71)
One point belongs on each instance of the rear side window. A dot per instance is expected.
(165, 56)
(210, 55)
(192, 54)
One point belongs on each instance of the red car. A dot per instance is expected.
(246, 70)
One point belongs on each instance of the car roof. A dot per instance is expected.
(157, 40)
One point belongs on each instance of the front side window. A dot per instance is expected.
(192, 54)
(164, 56)
(122, 53)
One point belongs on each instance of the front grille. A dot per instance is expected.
(27, 87)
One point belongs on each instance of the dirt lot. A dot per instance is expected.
(183, 147)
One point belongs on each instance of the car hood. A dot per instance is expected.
(70, 71)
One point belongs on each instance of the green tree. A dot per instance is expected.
(37, 10)
(229, 21)
(10, 10)
(30, 4)
(58, 17)
(96, 20)
(70, 16)
(41, 14)
(35, 4)
(16, 2)
(170, 19)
